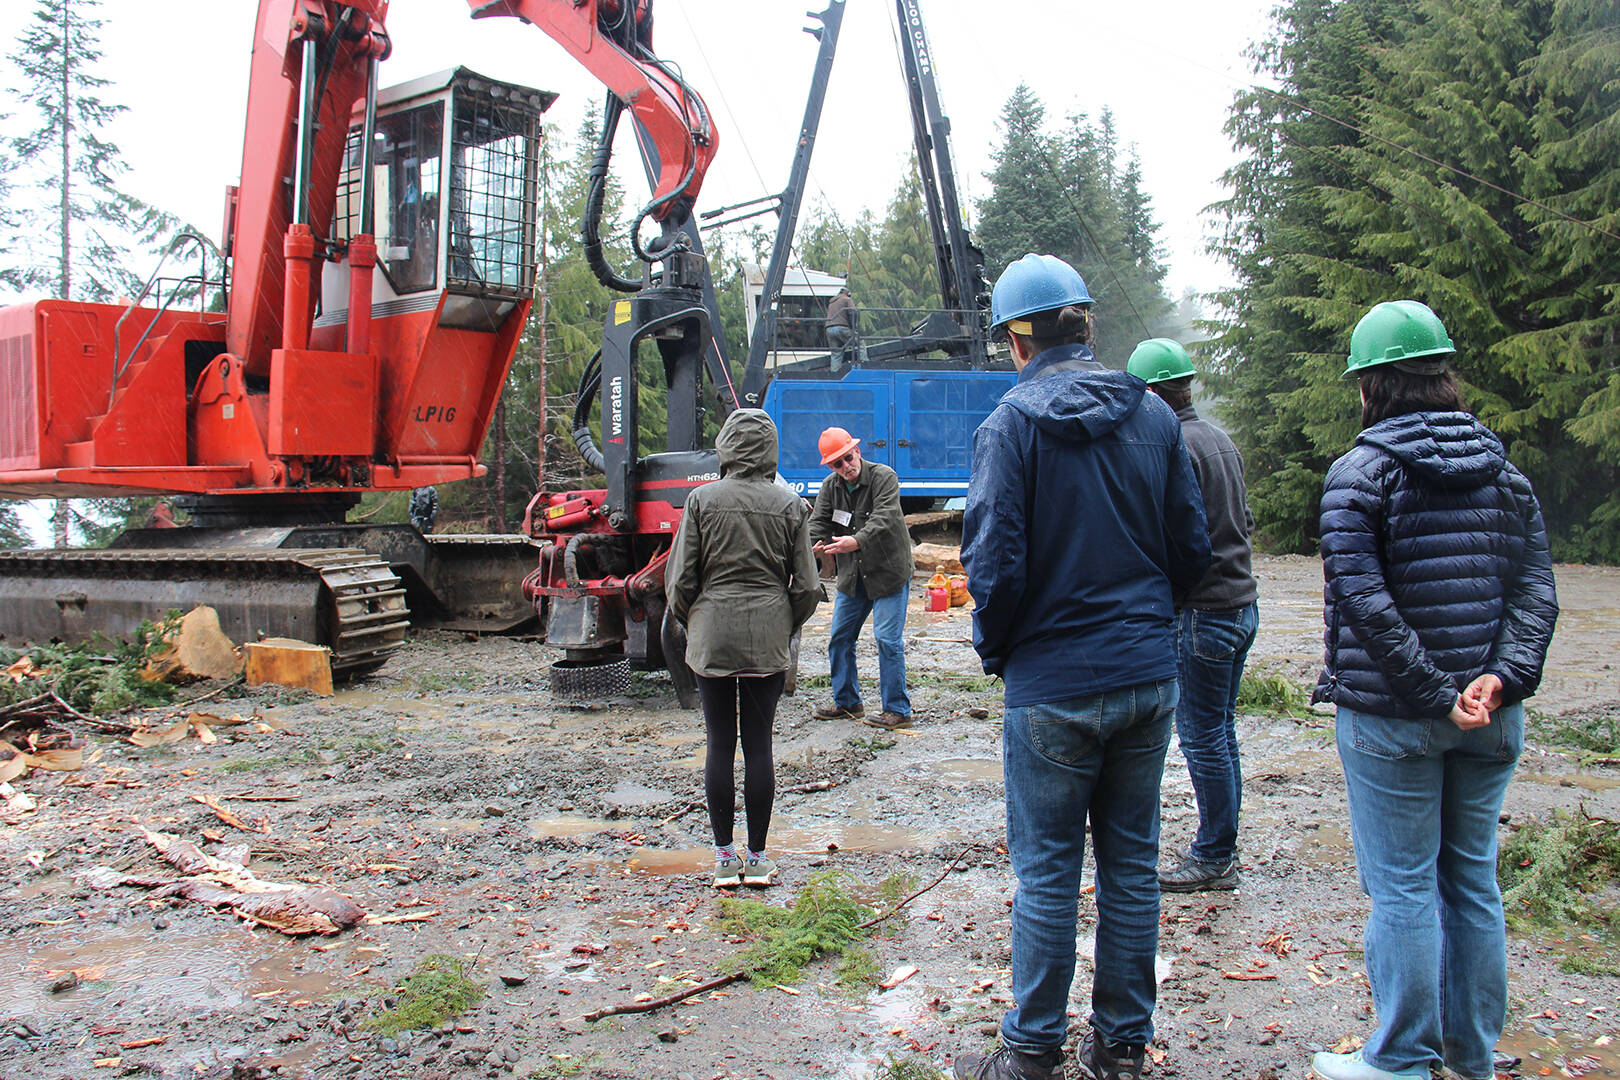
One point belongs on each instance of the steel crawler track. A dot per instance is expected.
(346, 599)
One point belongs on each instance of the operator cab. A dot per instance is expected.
(801, 312)
(456, 174)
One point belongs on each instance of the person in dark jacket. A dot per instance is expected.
(424, 507)
(741, 580)
(1083, 526)
(1214, 631)
(840, 326)
(1440, 606)
(857, 520)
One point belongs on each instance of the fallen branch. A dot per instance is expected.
(739, 976)
(25, 706)
(868, 924)
(214, 693)
(671, 999)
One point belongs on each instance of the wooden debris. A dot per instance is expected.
(898, 976)
(286, 662)
(218, 882)
(227, 815)
(932, 557)
(195, 649)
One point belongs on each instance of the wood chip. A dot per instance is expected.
(414, 916)
(897, 976)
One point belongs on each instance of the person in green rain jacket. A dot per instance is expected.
(741, 579)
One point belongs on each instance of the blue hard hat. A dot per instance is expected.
(1034, 284)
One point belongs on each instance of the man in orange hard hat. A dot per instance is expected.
(857, 519)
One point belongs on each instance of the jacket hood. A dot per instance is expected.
(1450, 449)
(747, 444)
(1065, 393)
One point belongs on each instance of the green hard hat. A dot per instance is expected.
(1159, 360)
(1394, 331)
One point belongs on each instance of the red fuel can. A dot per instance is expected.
(939, 598)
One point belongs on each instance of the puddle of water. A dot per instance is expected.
(559, 827)
(1563, 1054)
(1580, 780)
(680, 861)
(140, 967)
(1328, 845)
(806, 838)
(790, 839)
(968, 768)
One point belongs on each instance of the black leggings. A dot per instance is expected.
(747, 705)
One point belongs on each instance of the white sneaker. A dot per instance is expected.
(1352, 1067)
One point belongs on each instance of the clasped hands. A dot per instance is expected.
(1475, 704)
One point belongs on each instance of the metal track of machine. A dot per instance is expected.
(345, 598)
(378, 272)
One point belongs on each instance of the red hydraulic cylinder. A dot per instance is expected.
(299, 250)
(362, 262)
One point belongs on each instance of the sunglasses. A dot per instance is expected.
(839, 463)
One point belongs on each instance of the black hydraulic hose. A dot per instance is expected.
(589, 383)
(596, 193)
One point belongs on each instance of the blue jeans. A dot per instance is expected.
(1424, 800)
(1211, 647)
(1099, 757)
(888, 624)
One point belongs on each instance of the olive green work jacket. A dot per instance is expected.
(883, 561)
(741, 577)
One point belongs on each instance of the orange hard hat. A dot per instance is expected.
(834, 443)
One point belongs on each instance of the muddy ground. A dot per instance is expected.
(565, 847)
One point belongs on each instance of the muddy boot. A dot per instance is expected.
(1009, 1064)
(1098, 1061)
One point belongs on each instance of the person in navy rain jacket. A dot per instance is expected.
(1083, 525)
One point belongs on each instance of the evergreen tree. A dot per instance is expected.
(13, 534)
(1279, 348)
(71, 168)
(898, 279)
(1071, 195)
(1437, 151)
(1575, 173)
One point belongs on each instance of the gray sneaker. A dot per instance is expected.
(728, 872)
(758, 873)
(1196, 875)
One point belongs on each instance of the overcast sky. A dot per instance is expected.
(1167, 68)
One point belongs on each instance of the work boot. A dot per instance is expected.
(838, 712)
(888, 721)
(1009, 1064)
(1352, 1067)
(1196, 875)
(1098, 1061)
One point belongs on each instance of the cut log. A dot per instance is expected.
(287, 662)
(931, 557)
(196, 649)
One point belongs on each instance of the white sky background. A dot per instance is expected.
(1167, 68)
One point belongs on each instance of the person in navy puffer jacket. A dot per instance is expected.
(1440, 606)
